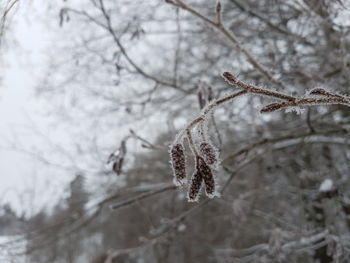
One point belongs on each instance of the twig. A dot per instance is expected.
(290, 101)
(230, 35)
(232, 80)
(265, 141)
(191, 143)
(114, 253)
(146, 143)
(142, 196)
(277, 28)
(4, 16)
(108, 27)
(284, 248)
(207, 110)
(308, 121)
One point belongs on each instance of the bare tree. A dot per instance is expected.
(277, 182)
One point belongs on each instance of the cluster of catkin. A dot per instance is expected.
(206, 157)
(206, 153)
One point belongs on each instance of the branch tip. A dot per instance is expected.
(218, 12)
(229, 77)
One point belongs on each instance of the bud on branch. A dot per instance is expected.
(218, 12)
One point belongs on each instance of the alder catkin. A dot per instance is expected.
(319, 91)
(204, 170)
(272, 107)
(178, 163)
(195, 186)
(208, 152)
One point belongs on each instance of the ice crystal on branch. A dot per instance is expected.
(205, 154)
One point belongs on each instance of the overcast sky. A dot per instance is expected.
(26, 123)
(24, 181)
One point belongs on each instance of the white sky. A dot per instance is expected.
(22, 180)
(26, 182)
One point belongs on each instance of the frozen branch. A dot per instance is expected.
(287, 101)
(290, 101)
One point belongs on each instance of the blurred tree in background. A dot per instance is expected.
(130, 74)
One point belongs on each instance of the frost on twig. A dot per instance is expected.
(206, 155)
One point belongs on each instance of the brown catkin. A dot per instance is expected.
(195, 187)
(319, 91)
(208, 152)
(272, 107)
(204, 170)
(178, 162)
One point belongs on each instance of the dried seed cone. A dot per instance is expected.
(195, 187)
(178, 162)
(207, 176)
(208, 152)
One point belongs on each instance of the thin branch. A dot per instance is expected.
(109, 27)
(284, 248)
(117, 252)
(308, 121)
(191, 143)
(232, 80)
(142, 196)
(291, 101)
(206, 111)
(255, 14)
(7, 9)
(266, 141)
(231, 36)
